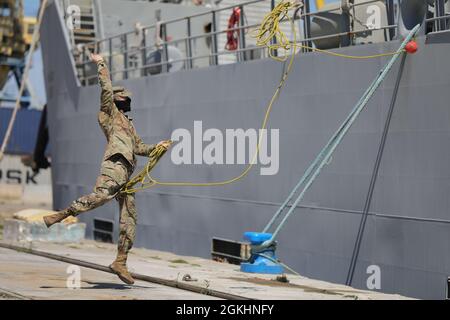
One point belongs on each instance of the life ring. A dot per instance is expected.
(233, 35)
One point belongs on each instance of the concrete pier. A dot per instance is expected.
(35, 277)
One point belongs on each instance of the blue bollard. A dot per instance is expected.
(257, 263)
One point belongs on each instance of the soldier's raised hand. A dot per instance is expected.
(165, 144)
(96, 57)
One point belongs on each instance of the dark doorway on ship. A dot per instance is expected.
(38, 160)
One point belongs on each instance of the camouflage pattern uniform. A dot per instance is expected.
(119, 161)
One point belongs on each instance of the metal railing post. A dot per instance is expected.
(241, 33)
(144, 51)
(110, 58)
(125, 56)
(165, 55)
(189, 44)
(439, 11)
(214, 39)
(85, 60)
(345, 8)
(390, 17)
(274, 39)
(84, 73)
(307, 24)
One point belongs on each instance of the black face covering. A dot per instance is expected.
(124, 106)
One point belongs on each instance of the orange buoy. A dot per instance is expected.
(411, 47)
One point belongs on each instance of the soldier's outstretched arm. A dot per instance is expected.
(141, 148)
(104, 80)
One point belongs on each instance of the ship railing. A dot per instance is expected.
(137, 53)
(441, 23)
(223, 52)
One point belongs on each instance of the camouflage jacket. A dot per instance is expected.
(118, 129)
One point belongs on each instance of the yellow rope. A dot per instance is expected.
(268, 30)
(144, 174)
(341, 55)
(281, 10)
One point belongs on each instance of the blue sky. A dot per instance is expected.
(30, 7)
(313, 3)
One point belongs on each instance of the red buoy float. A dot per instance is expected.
(411, 47)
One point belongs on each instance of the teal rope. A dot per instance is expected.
(315, 168)
(310, 169)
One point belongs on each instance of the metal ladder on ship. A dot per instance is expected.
(86, 34)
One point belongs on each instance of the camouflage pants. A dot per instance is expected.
(114, 174)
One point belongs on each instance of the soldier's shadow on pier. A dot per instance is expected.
(103, 285)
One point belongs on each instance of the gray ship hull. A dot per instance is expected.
(408, 230)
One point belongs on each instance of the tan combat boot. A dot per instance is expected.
(55, 218)
(119, 267)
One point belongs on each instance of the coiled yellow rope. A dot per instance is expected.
(268, 30)
(144, 174)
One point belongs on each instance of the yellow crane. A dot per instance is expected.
(15, 36)
(28, 28)
(320, 4)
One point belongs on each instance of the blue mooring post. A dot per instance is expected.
(258, 262)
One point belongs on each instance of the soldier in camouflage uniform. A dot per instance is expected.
(118, 164)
